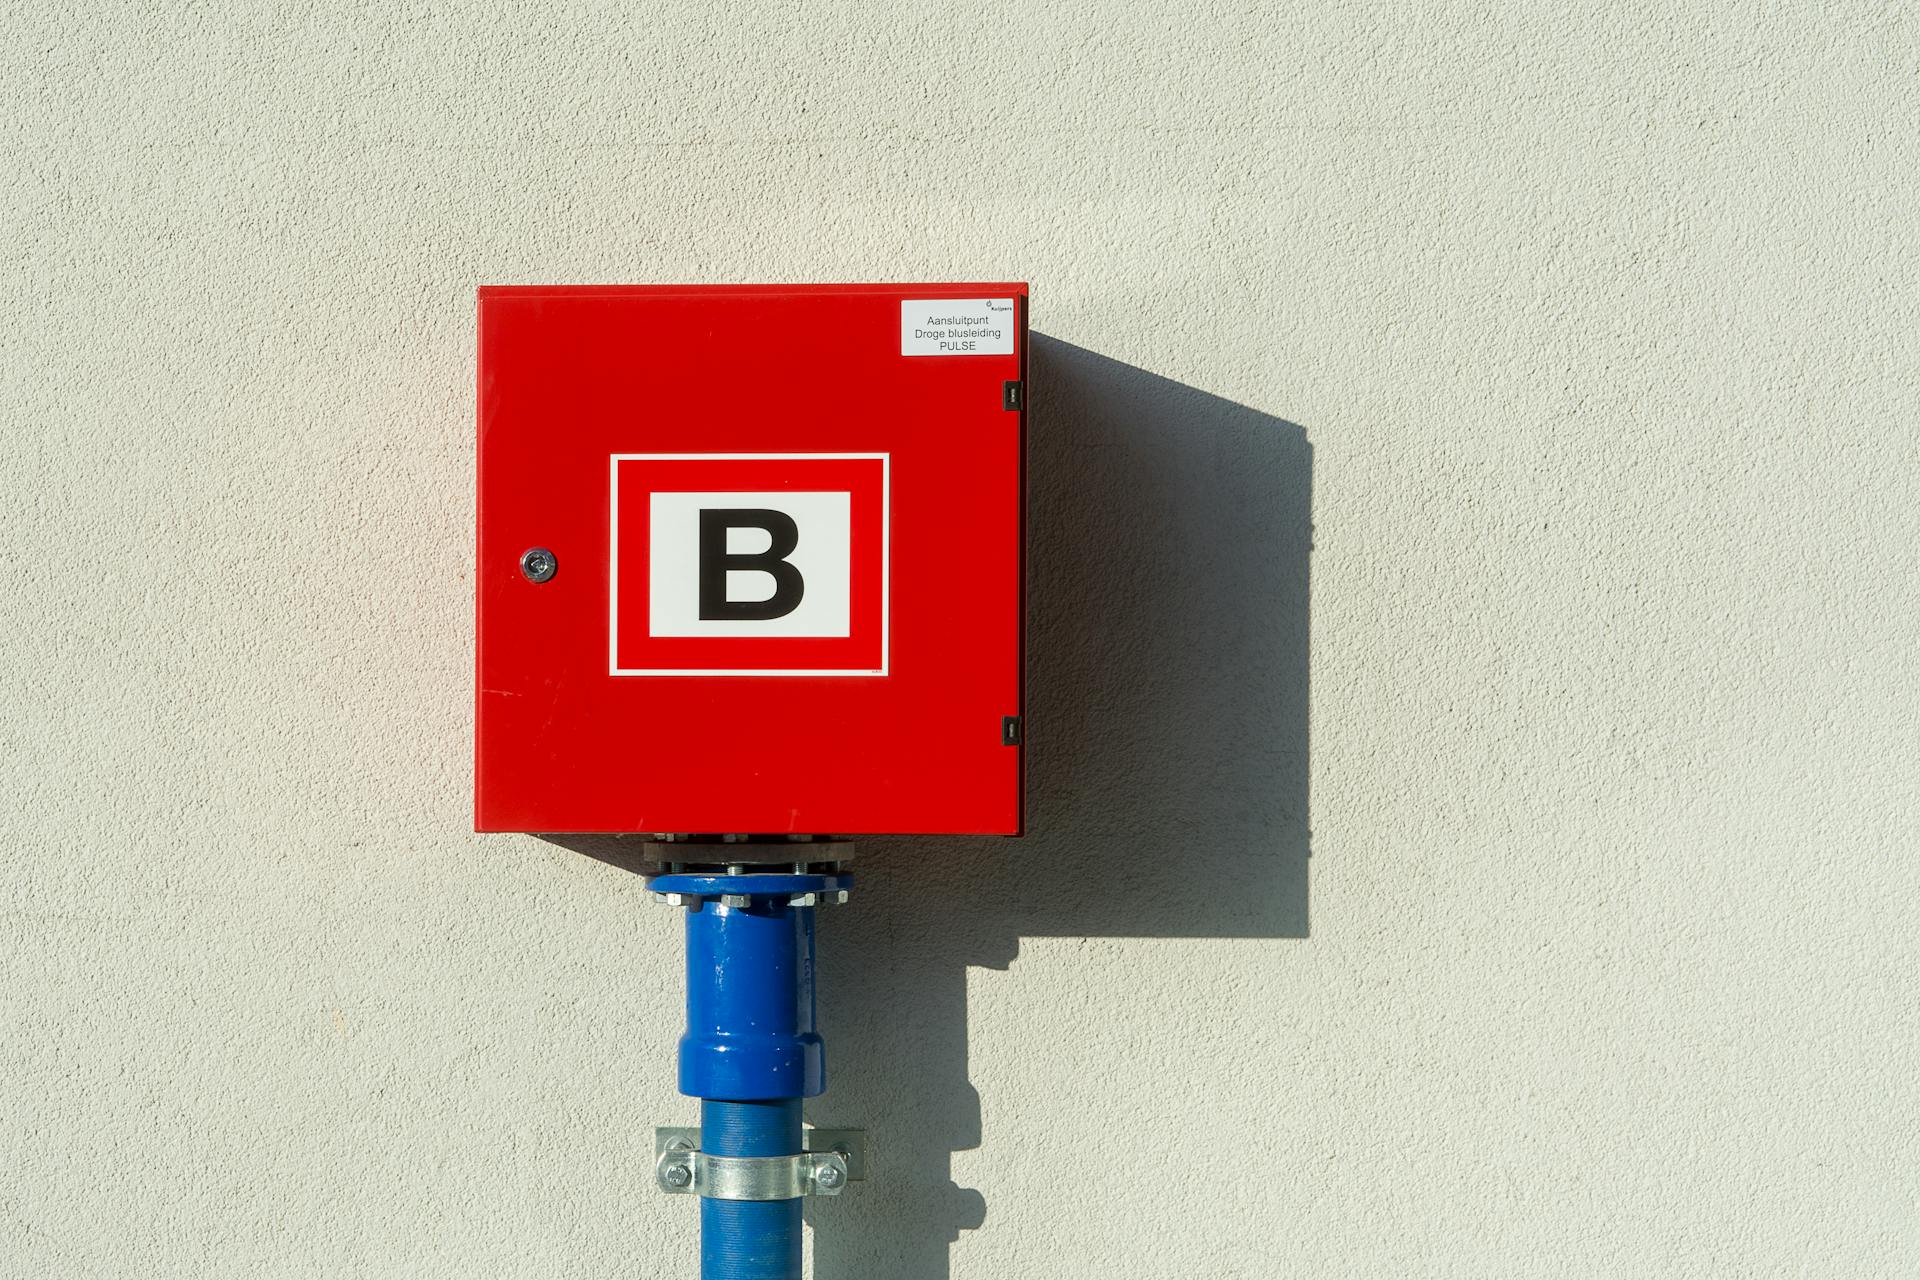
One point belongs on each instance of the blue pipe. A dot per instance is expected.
(750, 1239)
(750, 1053)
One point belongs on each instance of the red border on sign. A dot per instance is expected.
(632, 651)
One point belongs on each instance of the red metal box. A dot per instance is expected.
(750, 559)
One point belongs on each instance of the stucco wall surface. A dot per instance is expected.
(1474, 646)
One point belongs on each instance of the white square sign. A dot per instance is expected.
(750, 564)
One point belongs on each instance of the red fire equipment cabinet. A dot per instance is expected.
(750, 558)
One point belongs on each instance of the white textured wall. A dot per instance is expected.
(1585, 336)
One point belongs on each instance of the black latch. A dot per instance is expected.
(1013, 394)
(1010, 726)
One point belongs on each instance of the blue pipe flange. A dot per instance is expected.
(827, 887)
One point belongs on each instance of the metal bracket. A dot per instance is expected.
(832, 1159)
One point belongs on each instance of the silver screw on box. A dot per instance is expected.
(538, 563)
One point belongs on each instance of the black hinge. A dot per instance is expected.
(1010, 731)
(1013, 394)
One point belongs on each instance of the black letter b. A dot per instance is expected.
(716, 560)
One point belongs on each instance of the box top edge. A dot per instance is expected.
(902, 289)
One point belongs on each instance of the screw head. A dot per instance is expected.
(829, 1175)
(676, 1175)
(539, 564)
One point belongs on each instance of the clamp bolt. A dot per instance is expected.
(676, 1175)
(829, 1176)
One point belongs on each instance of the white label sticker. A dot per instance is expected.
(957, 327)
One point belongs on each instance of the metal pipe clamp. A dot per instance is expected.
(683, 1169)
